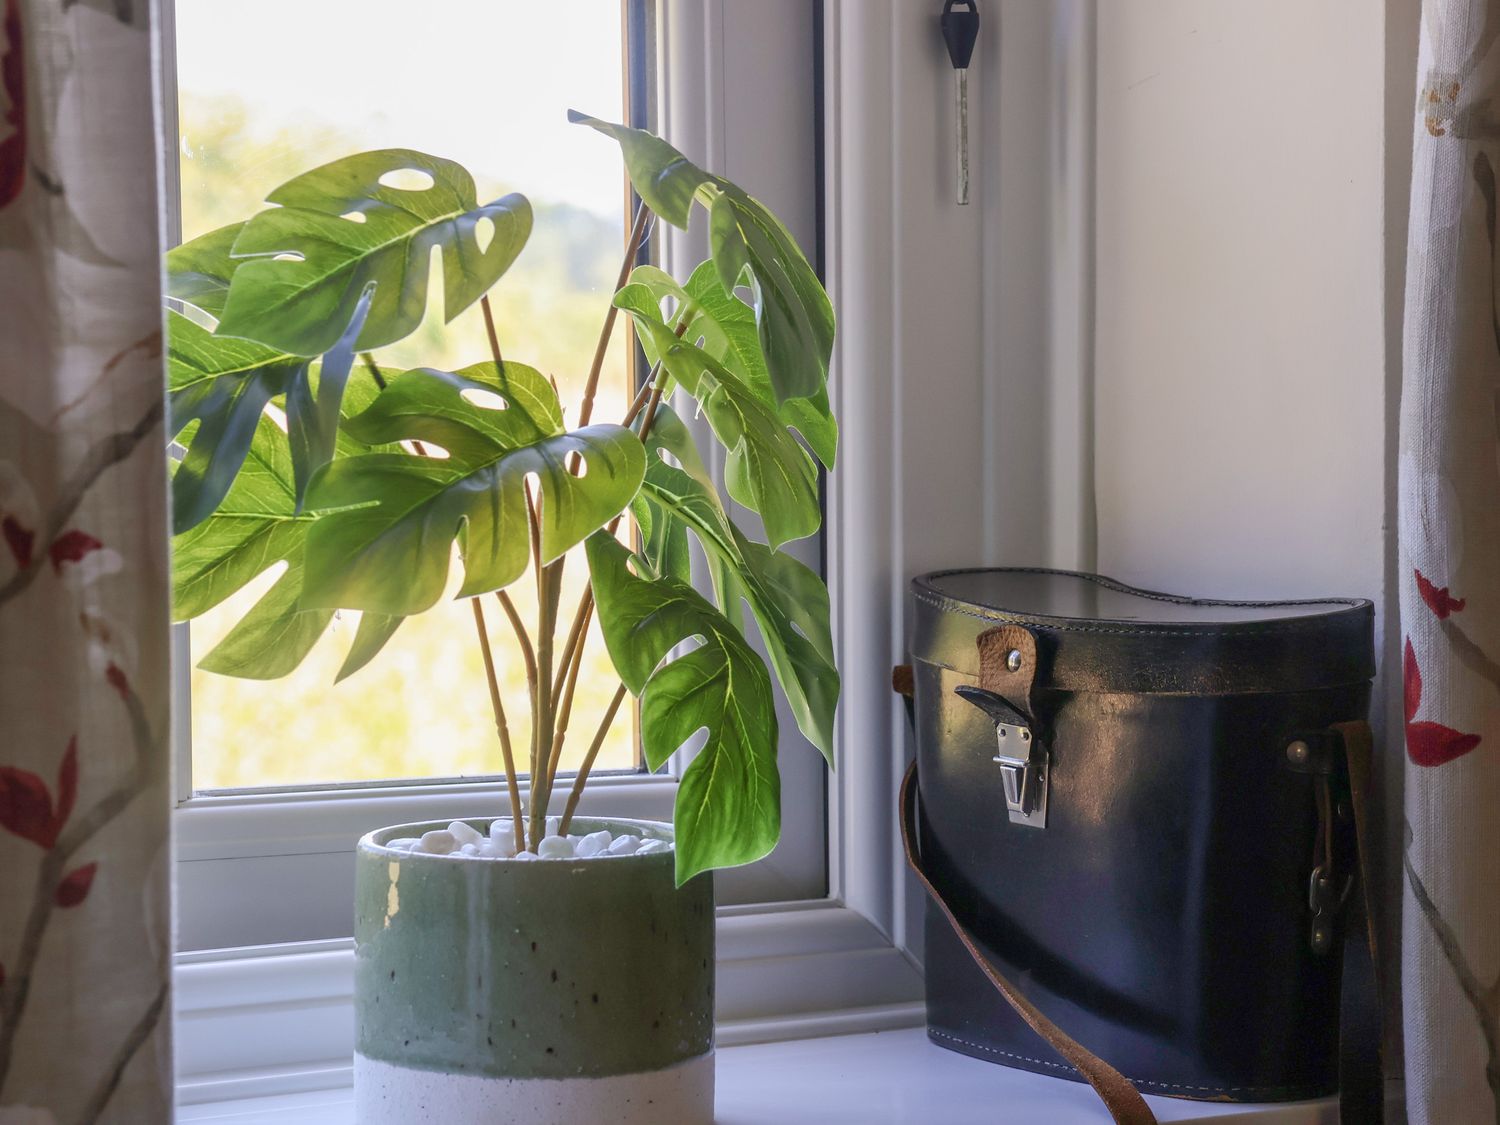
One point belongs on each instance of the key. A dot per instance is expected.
(960, 26)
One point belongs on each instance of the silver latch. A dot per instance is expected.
(1021, 758)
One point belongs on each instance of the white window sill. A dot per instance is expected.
(884, 1078)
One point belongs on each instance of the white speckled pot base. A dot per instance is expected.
(385, 1094)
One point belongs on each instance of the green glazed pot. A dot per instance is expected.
(550, 992)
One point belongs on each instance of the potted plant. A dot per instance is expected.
(527, 963)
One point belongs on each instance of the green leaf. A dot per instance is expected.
(767, 470)
(794, 318)
(788, 600)
(313, 420)
(374, 630)
(224, 384)
(198, 272)
(728, 806)
(724, 327)
(253, 529)
(338, 228)
(273, 637)
(665, 180)
(385, 540)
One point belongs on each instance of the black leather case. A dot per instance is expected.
(1161, 916)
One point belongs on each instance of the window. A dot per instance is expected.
(341, 85)
(278, 779)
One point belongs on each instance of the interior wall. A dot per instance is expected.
(1252, 162)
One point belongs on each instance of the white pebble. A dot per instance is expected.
(465, 833)
(555, 847)
(404, 844)
(592, 844)
(651, 847)
(504, 828)
(554, 825)
(503, 848)
(438, 842)
(624, 845)
(527, 855)
(469, 849)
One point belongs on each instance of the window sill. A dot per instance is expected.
(883, 1078)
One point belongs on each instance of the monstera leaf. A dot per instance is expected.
(766, 470)
(256, 527)
(224, 383)
(788, 600)
(793, 316)
(198, 272)
(728, 807)
(341, 227)
(384, 542)
(724, 327)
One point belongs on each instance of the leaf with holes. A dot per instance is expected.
(385, 542)
(766, 470)
(223, 384)
(256, 527)
(341, 227)
(724, 327)
(793, 316)
(788, 601)
(728, 806)
(199, 271)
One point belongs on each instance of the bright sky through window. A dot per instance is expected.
(272, 88)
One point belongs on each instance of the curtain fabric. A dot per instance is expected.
(85, 939)
(1450, 574)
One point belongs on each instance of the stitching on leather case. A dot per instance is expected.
(938, 601)
(1152, 595)
(1308, 1090)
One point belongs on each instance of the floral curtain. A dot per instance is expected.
(1450, 574)
(85, 939)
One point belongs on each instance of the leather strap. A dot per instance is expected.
(1361, 1023)
(1123, 1100)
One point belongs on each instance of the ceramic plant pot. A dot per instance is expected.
(546, 992)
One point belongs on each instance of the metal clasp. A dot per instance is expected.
(1021, 758)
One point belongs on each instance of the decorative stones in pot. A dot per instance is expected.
(544, 991)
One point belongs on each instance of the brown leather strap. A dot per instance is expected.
(1123, 1100)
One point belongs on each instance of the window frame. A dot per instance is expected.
(258, 867)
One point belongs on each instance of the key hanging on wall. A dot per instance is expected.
(960, 26)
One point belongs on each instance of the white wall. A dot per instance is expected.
(1251, 169)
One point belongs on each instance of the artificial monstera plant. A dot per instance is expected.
(293, 446)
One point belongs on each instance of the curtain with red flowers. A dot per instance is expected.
(85, 941)
(1450, 574)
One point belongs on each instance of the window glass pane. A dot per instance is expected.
(272, 88)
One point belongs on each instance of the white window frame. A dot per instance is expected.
(899, 256)
(264, 867)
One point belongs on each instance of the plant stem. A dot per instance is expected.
(512, 783)
(582, 777)
(632, 247)
(374, 369)
(564, 710)
(489, 328)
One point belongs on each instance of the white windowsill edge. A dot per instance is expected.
(884, 1078)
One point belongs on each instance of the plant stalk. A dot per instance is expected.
(632, 247)
(512, 783)
(582, 777)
